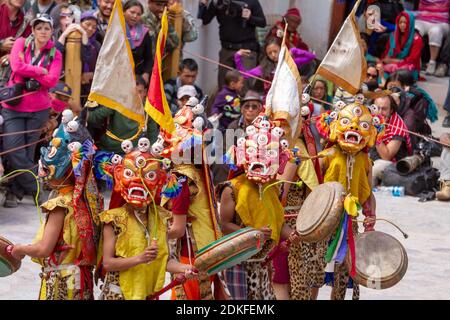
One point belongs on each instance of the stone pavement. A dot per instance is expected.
(428, 245)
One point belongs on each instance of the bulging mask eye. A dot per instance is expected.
(150, 175)
(251, 150)
(364, 125)
(345, 121)
(128, 173)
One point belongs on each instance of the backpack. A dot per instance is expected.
(5, 67)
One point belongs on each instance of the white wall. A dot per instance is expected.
(316, 15)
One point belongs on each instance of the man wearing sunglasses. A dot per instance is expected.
(251, 108)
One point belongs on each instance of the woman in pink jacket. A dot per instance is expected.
(36, 64)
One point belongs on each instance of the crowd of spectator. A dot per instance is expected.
(398, 43)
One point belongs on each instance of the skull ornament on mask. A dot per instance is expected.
(261, 153)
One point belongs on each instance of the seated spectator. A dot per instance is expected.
(444, 193)
(89, 24)
(139, 38)
(405, 80)
(268, 64)
(389, 10)
(319, 90)
(293, 39)
(251, 107)
(396, 143)
(190, 30)
(227, 104)
(103, 14)
(56, 12)
(432, 20)
(12, 24)
(404, 48)
(152, 19)
(412, 103)
(372, 77)
(119, 127)
(66, 27)
(187, 75)
(184, 93)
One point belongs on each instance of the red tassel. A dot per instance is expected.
(351, 245)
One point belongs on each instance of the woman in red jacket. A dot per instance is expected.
(404, 48)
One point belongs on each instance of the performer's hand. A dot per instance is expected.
(149, 254)
(191, 273)
(267, 232)
(15, 252)
(294, 237)
(369, 224)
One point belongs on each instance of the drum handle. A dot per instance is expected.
(405, 235)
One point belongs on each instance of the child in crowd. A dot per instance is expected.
(227, 102)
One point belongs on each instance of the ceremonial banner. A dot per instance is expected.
(283, 102)
(114, 83)
(344, 63)
(156, 105)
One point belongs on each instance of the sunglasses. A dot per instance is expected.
(253, 106)
(371, 75)
(66, 14)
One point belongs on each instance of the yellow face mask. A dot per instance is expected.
(353, 128)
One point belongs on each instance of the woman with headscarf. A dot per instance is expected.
(139, 38)
(404, 48)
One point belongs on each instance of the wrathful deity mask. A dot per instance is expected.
(71, 144)
(263, 153)
(139, 178)
(352, 126)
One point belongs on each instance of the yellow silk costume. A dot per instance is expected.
(144, 279)
(255, 212)
(337, 171)
(62, 261)
(305, 170)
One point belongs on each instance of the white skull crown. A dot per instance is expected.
(144, 145)
(127, 146)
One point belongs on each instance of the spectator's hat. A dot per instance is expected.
(42, 17)
(251, 96)
(62, 89)
(186, 90)
(293, 12)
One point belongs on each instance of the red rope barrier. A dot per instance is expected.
(20, 132)
(21, 147)
(22, 95)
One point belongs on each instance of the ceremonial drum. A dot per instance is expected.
(381, 260)
(321, 212)
(8, 264)
(229, 250)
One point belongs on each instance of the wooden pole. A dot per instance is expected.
(172, 60)
(72, 72)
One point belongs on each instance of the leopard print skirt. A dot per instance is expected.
(65, 284)
(111, 287)
(306, 261)
(259, 275)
